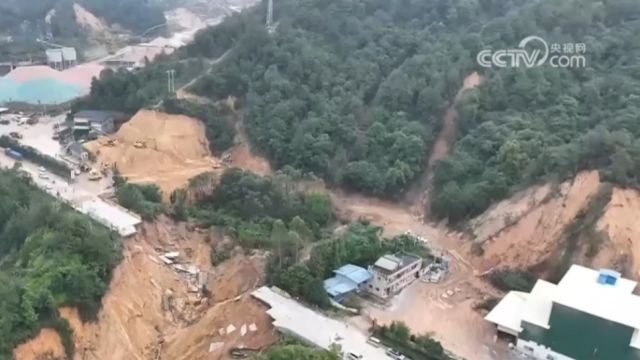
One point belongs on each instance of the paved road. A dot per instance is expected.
(86, 202)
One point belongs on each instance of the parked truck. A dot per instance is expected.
(13, 154)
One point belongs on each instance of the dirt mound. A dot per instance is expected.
(526, 230)
(47, 345)
(619, 225)
(175, 149)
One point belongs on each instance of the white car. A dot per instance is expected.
(43, 176)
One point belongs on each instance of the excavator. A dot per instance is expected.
(94, 175)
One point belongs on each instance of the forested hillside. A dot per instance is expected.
(50, 256)
(352, 91)
(355, 91)
(523, 125)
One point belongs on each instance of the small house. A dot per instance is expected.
(392, 273)
(346, 280)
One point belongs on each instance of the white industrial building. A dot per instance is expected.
(589, 314)
(61, 59)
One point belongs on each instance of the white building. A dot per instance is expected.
(61, 59)
(392, 273)
(589, 314)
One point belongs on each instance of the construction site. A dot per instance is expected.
(153, 147)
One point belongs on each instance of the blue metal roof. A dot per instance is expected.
(346, 280)
(336, 286)
(354, 273)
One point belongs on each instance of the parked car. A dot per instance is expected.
(395, 355)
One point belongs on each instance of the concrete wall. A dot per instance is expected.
(538, 351)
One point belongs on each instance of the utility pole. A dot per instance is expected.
(269, 14)
(171, 81)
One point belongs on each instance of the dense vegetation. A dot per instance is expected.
(361, 244)
(297, 352)
(355, 91)
(523, 125)
(50, 256)
(342, 89)
(129, 92)
(512, 279)
(398, 336)
(143, 199)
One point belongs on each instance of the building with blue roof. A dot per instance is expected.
(346, 280)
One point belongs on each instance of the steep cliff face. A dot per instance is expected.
(579, 221)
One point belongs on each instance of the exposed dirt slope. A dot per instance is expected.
(176, 150)
(46, 345)
(619, 225)
(153, 311)
(526, 230)
(87, 20)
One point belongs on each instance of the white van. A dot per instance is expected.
(374, 341)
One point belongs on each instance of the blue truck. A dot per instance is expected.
(13, 154)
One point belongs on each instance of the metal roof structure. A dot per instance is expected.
(393, 263)
(54, 55)
(579, 289)
(346, 279)
(354, 273)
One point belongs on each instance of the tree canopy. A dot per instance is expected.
(50, 256)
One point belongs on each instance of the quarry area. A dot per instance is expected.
(153, 147)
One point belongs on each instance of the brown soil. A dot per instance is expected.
(46, 345)
(135, 321)
(241, 155)
(88, 20)
(619, 226)
(532, 234)
(176, 150)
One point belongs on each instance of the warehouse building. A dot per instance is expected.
(589, 314)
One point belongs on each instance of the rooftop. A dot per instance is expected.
(581, 289)
(393, 263)
(95, 116)
(315, 328)
(346, 279)
(354, 273)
